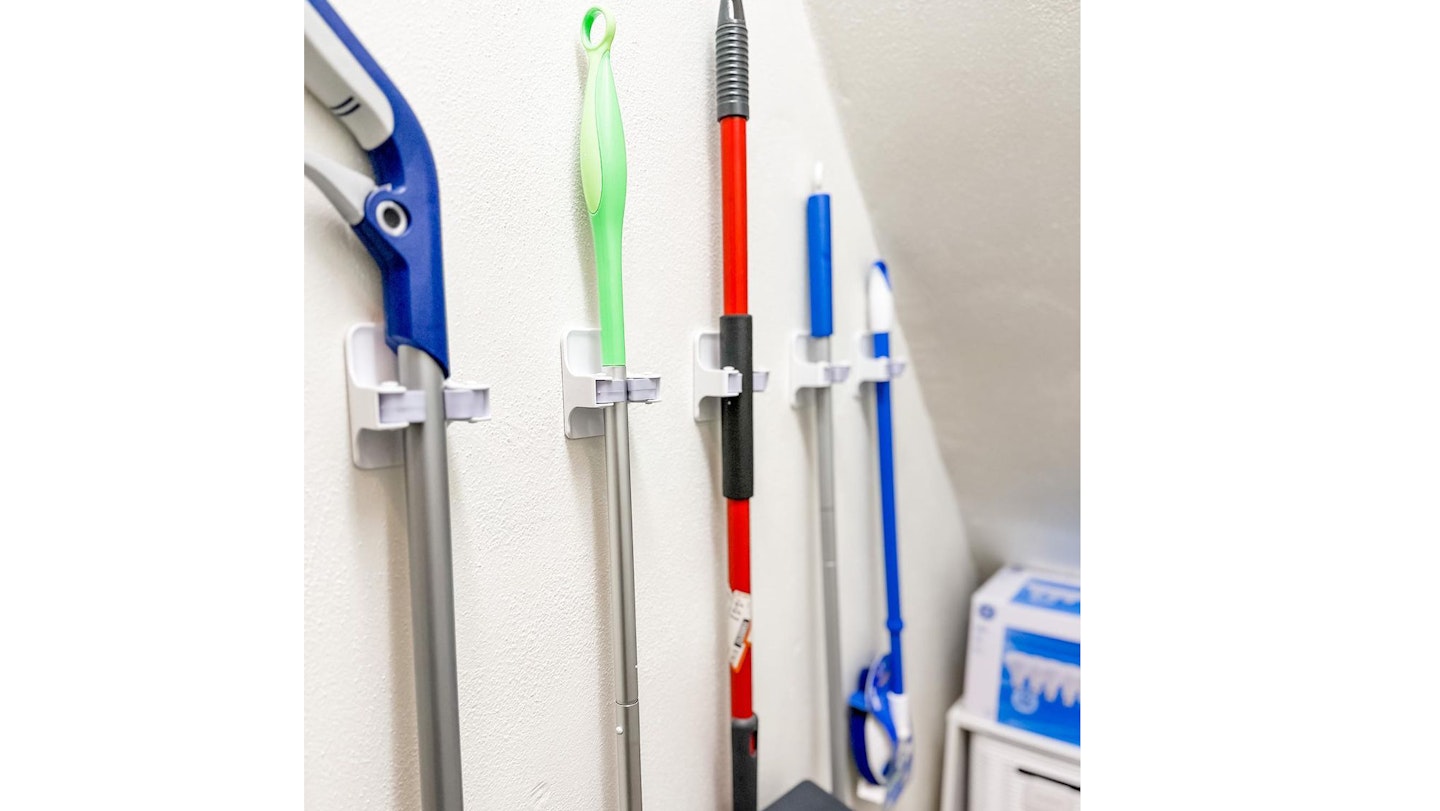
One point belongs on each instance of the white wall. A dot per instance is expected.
(498, 89)
(963, 122)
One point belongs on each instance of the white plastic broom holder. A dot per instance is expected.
(870, 369)
(380, 407)
(713, 381)
(806, 373)
(586, 389)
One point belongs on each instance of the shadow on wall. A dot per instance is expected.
(972, 178)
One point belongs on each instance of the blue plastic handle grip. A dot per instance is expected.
(817, 228)
(411, 270)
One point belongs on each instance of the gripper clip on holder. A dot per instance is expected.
(586, 389)
(870, 369)
(713, 381)
(380, 407)
(806, 373)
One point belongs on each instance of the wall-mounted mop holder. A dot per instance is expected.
(713, 381)
(806, 373)
(870, 369)
(586, 389)
(380, 407)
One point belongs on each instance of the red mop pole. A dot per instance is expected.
(737, 513)
(732, 85)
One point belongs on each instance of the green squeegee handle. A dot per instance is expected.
(602, 173)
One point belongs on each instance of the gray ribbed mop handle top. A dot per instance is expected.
(732, 62)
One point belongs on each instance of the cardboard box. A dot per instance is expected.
(1023, 659)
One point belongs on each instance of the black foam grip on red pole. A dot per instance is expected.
(737, 414)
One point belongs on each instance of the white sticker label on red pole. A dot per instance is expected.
(739, 628)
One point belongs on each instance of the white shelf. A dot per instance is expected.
(960, 717)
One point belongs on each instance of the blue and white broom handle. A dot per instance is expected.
(397, 214)
(881, 303)
(881, 306)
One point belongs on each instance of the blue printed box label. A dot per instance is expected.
(1049, 594)
(1040, 686)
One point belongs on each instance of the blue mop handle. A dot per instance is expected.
(398, 220)
(881, 316)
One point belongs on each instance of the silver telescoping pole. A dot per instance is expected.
(432, 590)
(834, 684)
(622, 599)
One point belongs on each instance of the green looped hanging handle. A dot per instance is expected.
(602, 173)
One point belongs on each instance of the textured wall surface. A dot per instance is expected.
(962, 118)
(498, 88)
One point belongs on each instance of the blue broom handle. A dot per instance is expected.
(893, 621)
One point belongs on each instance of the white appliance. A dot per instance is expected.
(1006, 777)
